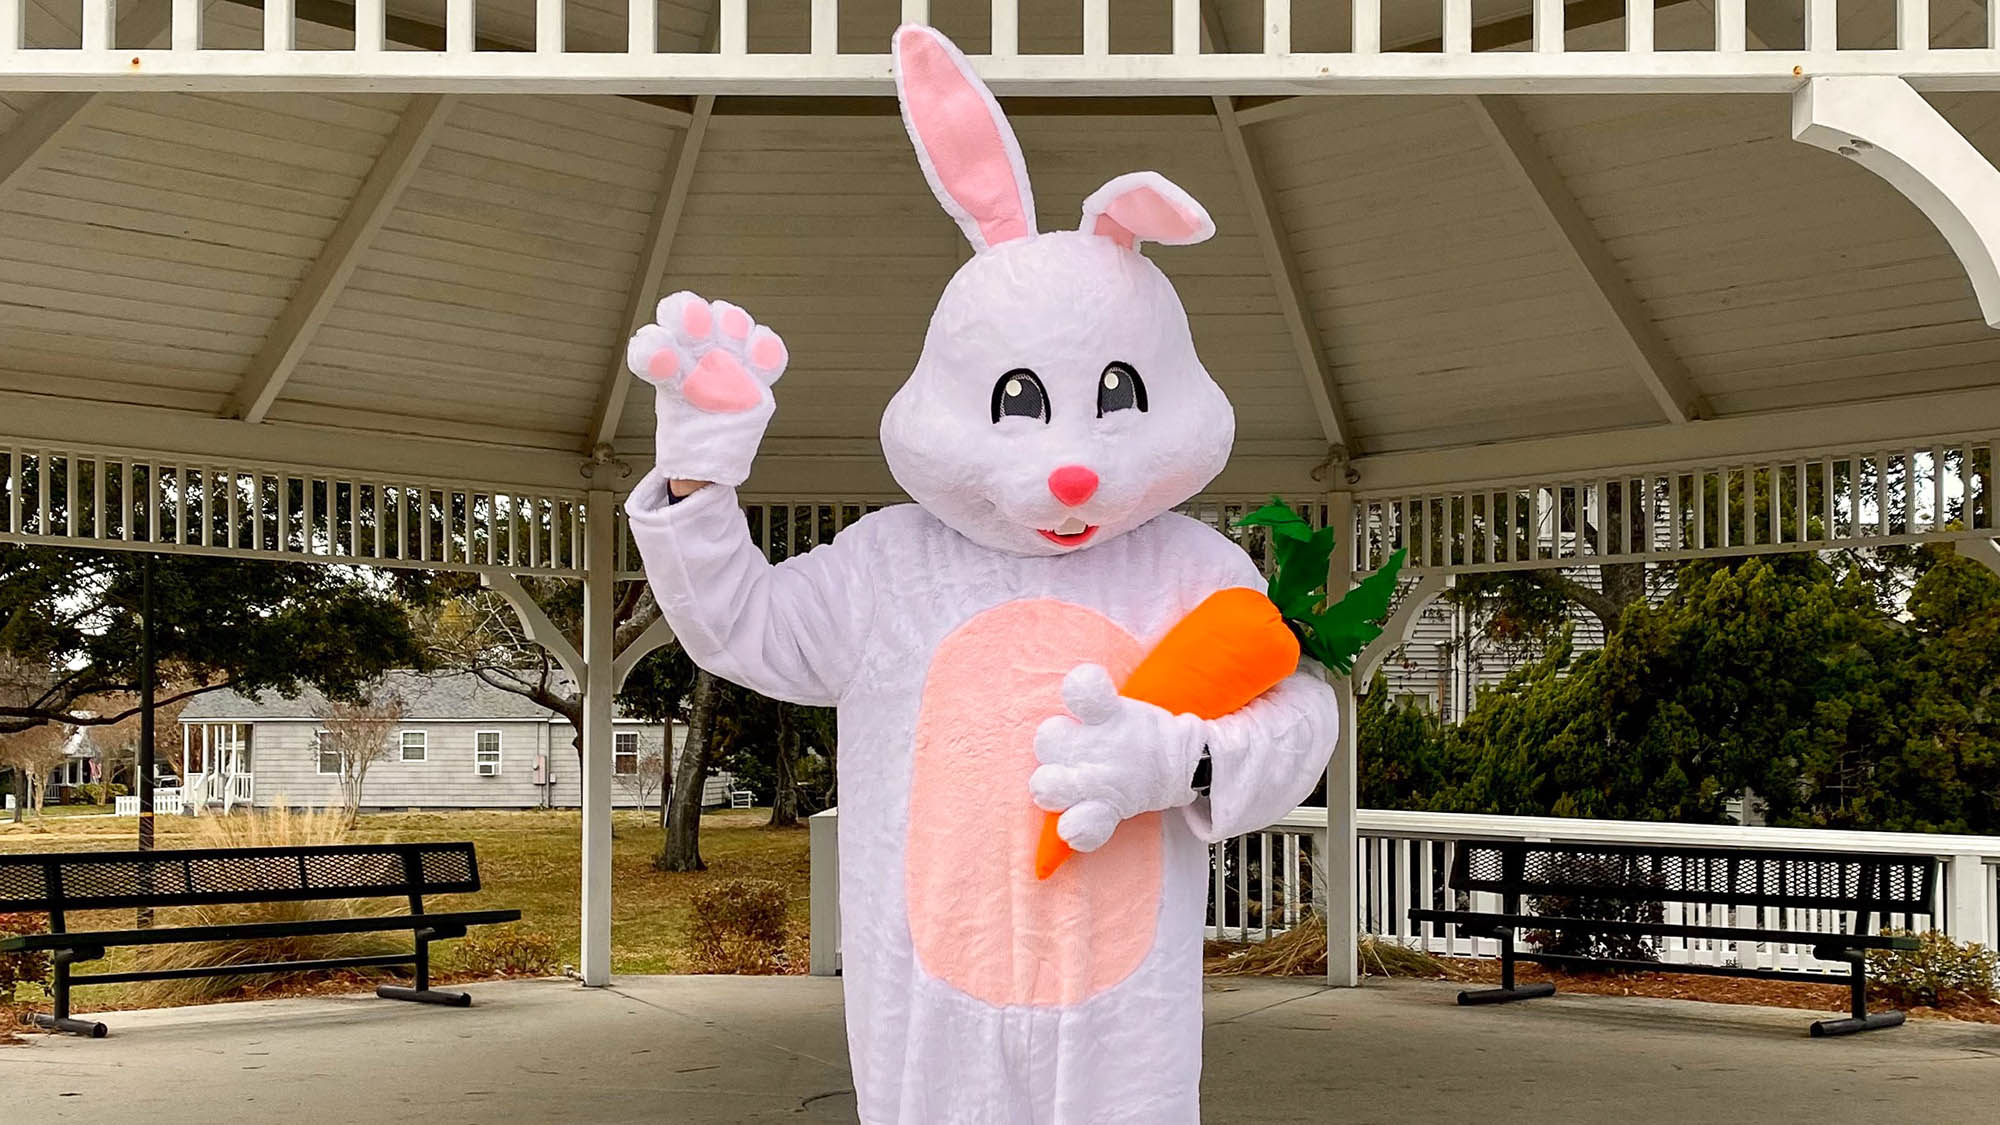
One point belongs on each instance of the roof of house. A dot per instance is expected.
(457, 695)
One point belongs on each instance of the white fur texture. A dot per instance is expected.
(1063, 305)
(1111, 758)
(690, 443)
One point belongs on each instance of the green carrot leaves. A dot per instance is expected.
(1336, 634)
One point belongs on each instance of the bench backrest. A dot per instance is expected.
(59, 881)
(1864, 882)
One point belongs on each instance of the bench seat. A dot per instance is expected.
(250, 931)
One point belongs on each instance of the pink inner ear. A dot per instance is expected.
(967, 153)
(1145, 213)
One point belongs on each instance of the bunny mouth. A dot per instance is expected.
(1073, 533)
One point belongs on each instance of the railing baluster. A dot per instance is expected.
(826, 25)
(1822, 25)
(1096, 27)
(278, 33)
(733, 29)
(1639, 26)
(643, 25)
(1913, 25)
(461, 24)
(916, 11)
(1277, 27)
(13, 16)
(1187, 27)
(1457, 27)
(1729, 26)
(1007, 28)
(368, 32)
(187, 25)
(1549, 27)
(1367, 27)
(549, 27)
(100, 19)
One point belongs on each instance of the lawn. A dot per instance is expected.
(528, 861)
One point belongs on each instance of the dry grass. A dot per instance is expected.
(278, 828)
(1301, 952)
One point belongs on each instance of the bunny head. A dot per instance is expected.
(1058, 401)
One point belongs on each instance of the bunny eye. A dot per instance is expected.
(1020, 394)
(1119, 388)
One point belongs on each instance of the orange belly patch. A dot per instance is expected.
(979, 919)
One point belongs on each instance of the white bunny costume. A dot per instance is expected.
(972, 642)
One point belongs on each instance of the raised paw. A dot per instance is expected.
(718, 357)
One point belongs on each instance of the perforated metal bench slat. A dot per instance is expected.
(192, 877)
(1722, 876)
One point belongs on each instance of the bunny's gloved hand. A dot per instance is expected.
(713, 367)
(1111, 758)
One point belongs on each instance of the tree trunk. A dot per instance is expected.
(681, 850)
(20, 793)
(785, 796)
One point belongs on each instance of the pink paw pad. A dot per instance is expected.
(720, 385)
(665, 364)
(736, 324)
(768, 352)
(697, 321)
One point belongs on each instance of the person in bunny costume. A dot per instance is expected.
(973, 642)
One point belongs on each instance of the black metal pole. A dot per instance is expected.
(144, 782)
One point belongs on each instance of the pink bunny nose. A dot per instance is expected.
(1073, 484)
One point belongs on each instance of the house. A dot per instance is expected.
(462, 743)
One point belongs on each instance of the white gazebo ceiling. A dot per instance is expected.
(150, 247)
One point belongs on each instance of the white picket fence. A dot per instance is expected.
(166, 802)
(1264, 882)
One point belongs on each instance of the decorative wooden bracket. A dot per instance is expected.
(1885, 126)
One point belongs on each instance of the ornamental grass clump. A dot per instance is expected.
(275, 828)
(24, 977)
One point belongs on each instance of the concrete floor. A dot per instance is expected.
(751, 1049)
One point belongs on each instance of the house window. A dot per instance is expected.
(416, 745)
(625, 753)
(329, 758)
(486, 753)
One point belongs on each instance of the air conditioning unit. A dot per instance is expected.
(488, 769)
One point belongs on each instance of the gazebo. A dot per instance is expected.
(1515, 283)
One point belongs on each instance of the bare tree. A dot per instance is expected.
(33, 754)
(647, 777)
(359, 734)
(681, 849)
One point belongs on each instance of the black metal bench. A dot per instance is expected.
(1555, 877)
(62, 882)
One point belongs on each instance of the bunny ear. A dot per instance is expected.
(1145, 207)
(967, 150)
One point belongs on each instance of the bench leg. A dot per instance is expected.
(1859, 1017)
(423, 993)
(1508, 992)
(61, 1020)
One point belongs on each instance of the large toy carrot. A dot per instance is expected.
(1238, 644)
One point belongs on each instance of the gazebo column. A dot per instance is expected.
(599, 682)
(1340, 896)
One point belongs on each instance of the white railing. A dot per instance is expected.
(79, 497)
(1262, 881)
(166, 802)
(1155, 47)
(1865, 498)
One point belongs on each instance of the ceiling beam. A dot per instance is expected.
(42, 131)
(1664, 375)
(1268, 223)
(1897, 422)
(618, 382)
(293, 331)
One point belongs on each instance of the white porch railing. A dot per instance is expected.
(166, 802)
(1262, 882)
(835, 47)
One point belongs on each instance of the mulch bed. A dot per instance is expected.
(1713, 990)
